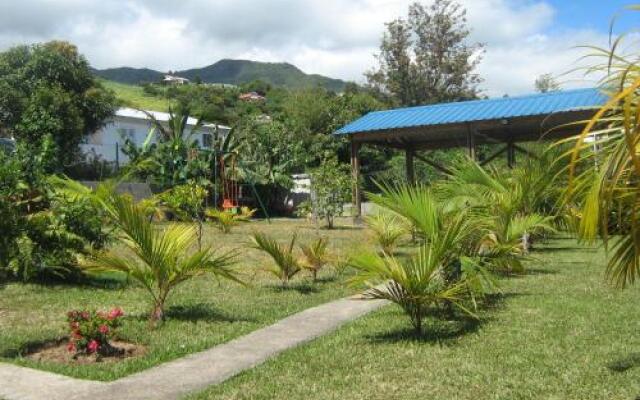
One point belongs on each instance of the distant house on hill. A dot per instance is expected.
(174, 80)
(106, 143)
(251, 96)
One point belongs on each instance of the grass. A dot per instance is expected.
(558, 332)
(134, 96)
(201, 314)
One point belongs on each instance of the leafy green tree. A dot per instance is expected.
(330, 186)
(48, 90)
(426, 58)
(546, 83)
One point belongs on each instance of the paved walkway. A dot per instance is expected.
(175, 379)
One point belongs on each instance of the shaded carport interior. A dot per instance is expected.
(505, 121)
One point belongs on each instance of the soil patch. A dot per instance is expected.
(57, 352)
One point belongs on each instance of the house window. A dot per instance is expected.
(127, 133)
(207, 140)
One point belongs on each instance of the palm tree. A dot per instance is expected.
(604, 173)
(315, 256)
(158, 259)
(286, 264)
(418, 285)
(387, 229)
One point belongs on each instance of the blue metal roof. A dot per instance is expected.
(477, 110)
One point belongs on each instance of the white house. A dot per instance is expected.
(174, 80)
(106, 144)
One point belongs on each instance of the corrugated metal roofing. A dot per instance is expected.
(477, 110)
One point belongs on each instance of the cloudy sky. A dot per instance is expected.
(337, 38)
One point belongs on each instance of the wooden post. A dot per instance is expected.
(355, 176)
(471, 143)
(409, 166)
(511, 154)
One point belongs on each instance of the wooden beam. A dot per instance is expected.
(409, 153)
(523, 151)
(494, 156)
(434, 164)
(355, 185)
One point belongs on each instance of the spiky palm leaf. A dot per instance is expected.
(158, 259)
(605, 164)
(387, 228)
(315, 256)
(418, 285)
(286, 264)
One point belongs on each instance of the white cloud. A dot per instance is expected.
(333, 37)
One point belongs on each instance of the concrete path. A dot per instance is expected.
(175, 379)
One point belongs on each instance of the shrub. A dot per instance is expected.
(330, 184)
(42, 231)
(91, 331)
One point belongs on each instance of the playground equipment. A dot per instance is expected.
(229, 183)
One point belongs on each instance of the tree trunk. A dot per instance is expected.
(157, 315)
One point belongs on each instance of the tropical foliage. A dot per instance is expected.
(42, 230)
(387, 229)
(604, 174)
(49, 93)
(226, 219)
(315, 256)
(157, 259)
(330, 187)
(286, 265)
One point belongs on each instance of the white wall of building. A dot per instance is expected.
(107, 143)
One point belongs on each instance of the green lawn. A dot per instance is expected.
(134, 96)
(202, 313)
(559, 333)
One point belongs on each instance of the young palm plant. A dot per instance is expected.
(387, 229)
(158, 259)
(286, 264)
(419, 285)
(315, 256)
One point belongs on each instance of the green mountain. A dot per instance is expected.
(128, 75)
(234, 72)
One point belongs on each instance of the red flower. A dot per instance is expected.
(85, 315)
(71, 347)
(75, 325)
(115, 313)
(92, 347)
(103, 329)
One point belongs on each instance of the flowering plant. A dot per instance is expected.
(92, 330)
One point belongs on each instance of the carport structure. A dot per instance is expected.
(504, 121)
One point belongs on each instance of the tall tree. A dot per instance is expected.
(546, 83)
(48, 91)
(426, 58)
